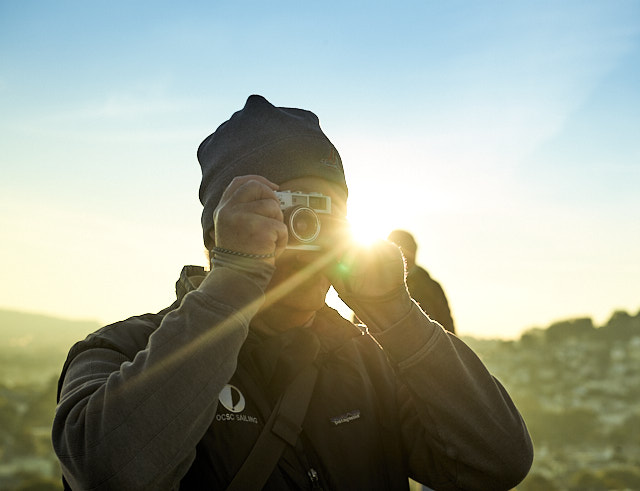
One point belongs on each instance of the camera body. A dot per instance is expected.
(301, 216)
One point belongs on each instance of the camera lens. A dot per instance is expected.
(303, 224)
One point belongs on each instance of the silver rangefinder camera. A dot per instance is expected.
(301, 212)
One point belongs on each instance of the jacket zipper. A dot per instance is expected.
(313, 477)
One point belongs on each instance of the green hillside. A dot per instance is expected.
(35, 346)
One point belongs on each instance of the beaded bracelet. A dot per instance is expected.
(242, 254)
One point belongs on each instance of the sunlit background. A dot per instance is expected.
(504, 135)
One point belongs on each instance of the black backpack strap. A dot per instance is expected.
(282, 428)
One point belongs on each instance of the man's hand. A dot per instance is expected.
(369, 271)
(248, 218)
(371, 281)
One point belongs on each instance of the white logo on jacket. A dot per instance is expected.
(232, 399)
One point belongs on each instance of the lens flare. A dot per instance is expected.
(342, 269)
(368, 227)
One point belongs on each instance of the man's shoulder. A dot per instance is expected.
(419, 271)
(133, 330)
(421, 275)
(126, 336)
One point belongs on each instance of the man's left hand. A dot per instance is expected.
(369, 271)
(371, 281)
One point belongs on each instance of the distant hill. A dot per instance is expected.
(34, 346)
(577, 386)
(32, 331)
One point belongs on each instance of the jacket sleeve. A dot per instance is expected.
(458, 422)
(134, 424)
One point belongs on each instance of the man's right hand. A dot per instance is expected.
(248, 218)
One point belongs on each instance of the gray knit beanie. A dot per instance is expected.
(278, 143)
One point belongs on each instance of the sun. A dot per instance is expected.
(367, 225)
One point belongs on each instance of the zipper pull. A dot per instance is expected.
(313, 477)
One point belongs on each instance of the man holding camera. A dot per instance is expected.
(249, 381)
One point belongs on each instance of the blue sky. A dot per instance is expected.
(503, 134)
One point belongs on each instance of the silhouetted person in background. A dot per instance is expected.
(423, 289)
